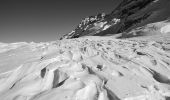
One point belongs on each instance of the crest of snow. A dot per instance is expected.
(101, 24)
(3, 44)
(71, 32)
(19, 43)
(92, 19)
(165, 29)
(86, 27)
(6, 47)
(106, 27)
(156, 1)
(115, 20)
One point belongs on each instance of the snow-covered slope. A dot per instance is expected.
(158, 31)
(129, 14)
(89, 68)
(165, 29)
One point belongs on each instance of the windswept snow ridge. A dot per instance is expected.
(92, 68)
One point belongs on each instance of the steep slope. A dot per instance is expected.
(127, 15)
(89, 68)
(158, 31)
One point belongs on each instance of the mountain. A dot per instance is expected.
(129, 14)
(124, 55)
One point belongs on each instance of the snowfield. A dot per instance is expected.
(89, 68)
(165, 29)
(122, 55)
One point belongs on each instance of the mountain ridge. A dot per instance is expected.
(128, 14)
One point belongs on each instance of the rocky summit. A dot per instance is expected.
(127, 15)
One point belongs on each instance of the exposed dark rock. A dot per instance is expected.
(127, 15)
(43, 71)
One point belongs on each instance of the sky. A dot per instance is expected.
(45, 20)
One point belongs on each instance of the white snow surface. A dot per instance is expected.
(88, 68)
(165, 29)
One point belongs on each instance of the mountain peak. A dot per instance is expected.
(128, 14)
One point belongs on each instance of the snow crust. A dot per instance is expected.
(91, 68)
(165, 29)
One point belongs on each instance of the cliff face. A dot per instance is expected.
(127, 15)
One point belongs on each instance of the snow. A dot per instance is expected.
(100, 24)
(106, 27)
(116, 20)
(165, 29)
(85, 67)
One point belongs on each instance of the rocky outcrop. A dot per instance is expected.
(91, 68)
(127, 15)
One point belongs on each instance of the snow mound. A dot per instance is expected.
(92, 68)
(165, 29)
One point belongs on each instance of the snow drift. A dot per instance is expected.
(90, 68)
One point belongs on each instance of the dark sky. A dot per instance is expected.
(45, 20)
